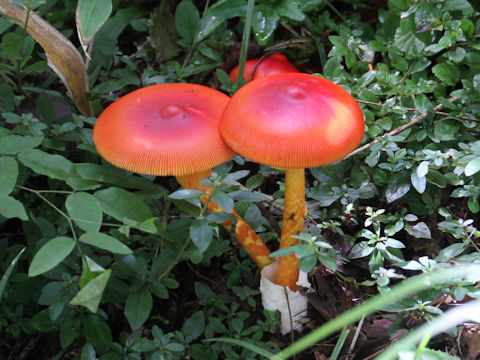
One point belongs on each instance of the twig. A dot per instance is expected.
(399, 129)
(299, 43)
(416, 110)
(357, 333)
(292, 335)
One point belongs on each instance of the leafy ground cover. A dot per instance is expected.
(97, 262)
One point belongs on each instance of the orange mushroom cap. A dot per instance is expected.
(166, 129)
(274, 64)
(292, 121)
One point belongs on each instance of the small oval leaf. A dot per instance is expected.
(85, 211)
(50, 255)
(11, 208)
(473, 166)
(105, 242)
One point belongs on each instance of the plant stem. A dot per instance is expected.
(177, 259)
(245, 41)
(195, 39)
(18, 68)
(52, 205)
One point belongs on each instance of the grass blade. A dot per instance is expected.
(244, 344)
(6, 276)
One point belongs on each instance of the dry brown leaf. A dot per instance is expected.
(62, 56)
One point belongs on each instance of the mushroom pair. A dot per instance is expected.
(289, 121)
(173, 129)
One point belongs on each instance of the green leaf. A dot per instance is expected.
(85, 210)
(158, 289)
(290, 9)
(406, 40)
(8, 174)
(45, 107)
(437, 178)
(91, 294)
(476, 82)
(201, 234)
(418, 182)
(121, 204)
(447, 73)
(91, 15)
(138, 307)
(397, 188)
(245, 344)
(223, 200)
(457, 5)
(473, 204)
(308, 263)
(114, 176)
(360, 250)
(97, 332)
(53, 166)
(50, 255)
(11, 208)
(207, 26)
(13, 144)
(69, 331)
(445, 130)
(6, 276)
(265, 21)
(105, 242)
(186, 20)
(185, 194)
(162, 33)
(366, 79)
(420, 65)
(241, 195)
(194, 326)
(473, 166)
(204, 293)
(420, 231)
(422, 169)
(299, 250)
(228, 8)
(88, 352)
(90, 270)
(330, 261)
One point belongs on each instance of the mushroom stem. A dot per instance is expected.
(247, 238)
(293, 219)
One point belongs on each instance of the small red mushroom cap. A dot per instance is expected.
(274, 64)
(292, 121)
(166, 129)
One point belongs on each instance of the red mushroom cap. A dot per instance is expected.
(247, 73)
(274, 64)
(292, 121)
(167, 129)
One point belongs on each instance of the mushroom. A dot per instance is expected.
(292, 122)
(172, 129)
(276, 63)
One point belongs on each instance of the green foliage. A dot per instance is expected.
(116, 265)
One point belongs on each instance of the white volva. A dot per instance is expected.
(274, 297)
